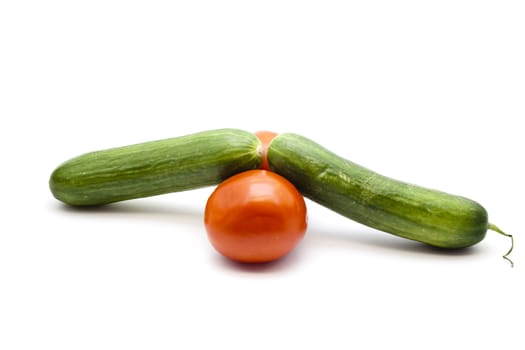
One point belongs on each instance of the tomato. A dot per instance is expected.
(266, 138)
(255, 216)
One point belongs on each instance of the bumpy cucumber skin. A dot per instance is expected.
(429, 216)
(157, 167)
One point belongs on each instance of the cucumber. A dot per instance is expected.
(155, 167)
(406, 210)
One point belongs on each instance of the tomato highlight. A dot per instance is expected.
(255, 216)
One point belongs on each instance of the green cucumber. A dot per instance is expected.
(156, 167)
(406, 210)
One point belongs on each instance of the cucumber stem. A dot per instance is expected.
(496, 229)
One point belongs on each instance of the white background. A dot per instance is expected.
(428, 92)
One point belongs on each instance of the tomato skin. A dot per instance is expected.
(266, 138)
(255, 216)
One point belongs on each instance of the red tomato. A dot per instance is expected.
(266, 137)
(255, 216)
